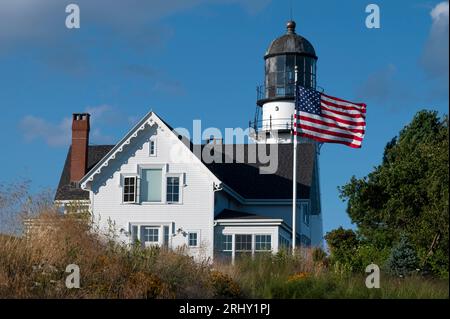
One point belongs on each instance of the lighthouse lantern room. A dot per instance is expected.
(276, 97)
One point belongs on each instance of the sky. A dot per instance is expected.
(198, 59)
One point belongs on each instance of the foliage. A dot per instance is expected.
(224, 286)
(343, 244)
(403, 259)
(407, 193)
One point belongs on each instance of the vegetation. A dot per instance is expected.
(406, 196)
(34, 267)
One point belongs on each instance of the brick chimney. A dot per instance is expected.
(80, 143)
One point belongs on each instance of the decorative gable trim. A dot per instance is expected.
(150, 119)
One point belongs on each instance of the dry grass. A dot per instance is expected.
(34, 267)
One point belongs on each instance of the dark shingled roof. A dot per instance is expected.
(234, 214)
(243, 177)
(68, 191)
(246, 180)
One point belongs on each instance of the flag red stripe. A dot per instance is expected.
(343, 121)
(337, 134)
(312, 120)
(350, 108)
(363, 105)
(360, 116)
(332, 120)
(325, 140)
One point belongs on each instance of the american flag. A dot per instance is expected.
(328, 119)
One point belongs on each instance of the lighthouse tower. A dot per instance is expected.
(276, 97)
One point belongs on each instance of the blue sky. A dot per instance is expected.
(197, 59)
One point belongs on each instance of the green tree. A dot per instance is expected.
(343, 244)
(407, 193)
(403, 258)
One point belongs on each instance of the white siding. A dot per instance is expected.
(195, 213)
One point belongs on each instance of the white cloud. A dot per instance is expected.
(35, 128)
(436, 54)
(59, 134)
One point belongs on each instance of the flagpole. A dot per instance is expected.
(294, 172)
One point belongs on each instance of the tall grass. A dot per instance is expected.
(33, 266)
(286, 276)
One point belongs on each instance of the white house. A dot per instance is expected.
(215, 199)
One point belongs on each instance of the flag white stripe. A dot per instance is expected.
(331, 129)
(341, 102)
(341, 110)
(330, 137)
(343, 117)
(324, 119)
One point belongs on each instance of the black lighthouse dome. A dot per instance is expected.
(281, 58)
(291, 43)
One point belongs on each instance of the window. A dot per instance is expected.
(152, 147)
(134, 234)
(283, 242)
(227, 242)
(263, 242)
(150, 234)
(193, 239)
(305, 241)
(151, 181)
(166, 234)
(129, 190)
(243, 242)
(173, 190)
(305, 212)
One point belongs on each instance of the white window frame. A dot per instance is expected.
(263, 250)
(159, 225)
(136, 188)
(197, 232)
(163, 168)
(155, 144)
(223, 242)
(180, 188)
(151, 243)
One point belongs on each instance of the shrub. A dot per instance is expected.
(403, 259)
(224, 286)
(343, 245)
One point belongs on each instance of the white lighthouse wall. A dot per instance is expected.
(279, 114)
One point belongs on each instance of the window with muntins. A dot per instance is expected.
(173, 190)
(243, 243)
(129, 190)
(193, 239)
(151, 184)
(152, 147)
(227, 242)
(263, 242)
(150, 234)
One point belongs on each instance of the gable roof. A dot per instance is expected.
(68, 191)
(242, 177)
